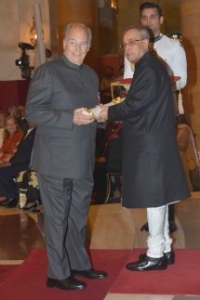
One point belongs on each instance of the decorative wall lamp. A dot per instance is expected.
(33, 34)
(109, 3)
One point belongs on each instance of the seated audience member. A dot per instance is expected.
(21, 110)
(2, 127)
(19, 162)
(121, 72)
(99, 189)
(108, 162)
(105, 85)
(120, 91)
(113, 147)
(19, 113)
(21, 117)
(13, 136)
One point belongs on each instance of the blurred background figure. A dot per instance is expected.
(9, 195)
(12, 138)
(105, 85)
(21, 110)
(19, 113)
(2, 127)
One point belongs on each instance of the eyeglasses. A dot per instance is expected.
(74, 44)
(130, 43)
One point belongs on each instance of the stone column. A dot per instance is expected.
(190, 18)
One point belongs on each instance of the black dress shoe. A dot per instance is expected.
(10, 203)
(4, 202)
(91, 273)
(30, 207)
(170, 257)
(66, 284)
(147, 263)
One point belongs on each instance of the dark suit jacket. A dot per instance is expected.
(57, 88)
(152, 170)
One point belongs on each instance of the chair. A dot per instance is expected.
(28, 189)
(113, 190)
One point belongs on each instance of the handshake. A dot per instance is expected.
(100, 112)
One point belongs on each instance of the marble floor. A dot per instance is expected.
(21, 232)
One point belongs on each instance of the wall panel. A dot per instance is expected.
(190, 16)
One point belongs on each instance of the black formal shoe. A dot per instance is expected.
(170, 257)
(67, 284)
(147, 263)
(91, 273)
(145, 227)
(30, 207)
(10, 203)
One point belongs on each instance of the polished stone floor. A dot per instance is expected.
(20, 232)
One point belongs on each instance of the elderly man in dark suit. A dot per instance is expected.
(19, 162)
(63, 156)
(153, 175)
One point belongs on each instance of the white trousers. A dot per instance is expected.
(159, 241)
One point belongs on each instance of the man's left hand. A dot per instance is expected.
(80, 118)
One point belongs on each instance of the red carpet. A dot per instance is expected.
(5, 271)
(28, 281)
(182, 278)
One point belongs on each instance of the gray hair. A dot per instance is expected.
(144, 31)
(87, 29)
